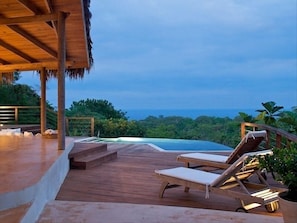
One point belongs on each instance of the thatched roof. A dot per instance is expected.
(29, 39)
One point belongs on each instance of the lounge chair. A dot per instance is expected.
(226, 183)
(249, 143)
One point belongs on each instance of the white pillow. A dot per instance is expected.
(11, 130)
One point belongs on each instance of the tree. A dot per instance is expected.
(247, 118)
(18, 94)
(269, 113)
(97, 108)
(117, 128)
(290, 119)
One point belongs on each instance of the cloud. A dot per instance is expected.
(228, 13)
(190, 54)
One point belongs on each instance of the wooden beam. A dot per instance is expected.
(16, 51)
(33, 40)
(29, 19)
(50, 65)
(35, 10)
(30, 6)
(49, 6)
(50, 9)
(4, 62)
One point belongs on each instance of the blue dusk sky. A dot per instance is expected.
(188, 54)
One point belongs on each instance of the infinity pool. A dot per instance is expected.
(168, 144)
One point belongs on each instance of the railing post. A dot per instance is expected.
(278, 141)
(67, 125)
(242, 129)
(92, 126)
(16, 115)
(268, 140)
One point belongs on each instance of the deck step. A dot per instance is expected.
(88, 155)
(93, 160)
(84, 149)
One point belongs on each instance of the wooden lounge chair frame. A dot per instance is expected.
(232, 182)
(249, 143)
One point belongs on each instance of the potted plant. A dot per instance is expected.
(282, 164)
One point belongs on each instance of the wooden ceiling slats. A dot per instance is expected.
(35, 10)
(17, 52)
(33, 40)
(28, 34)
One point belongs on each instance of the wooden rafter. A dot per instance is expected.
(49, 5)
(32, 8)
(17, 52)
(50, 9)
(28, 19)
(33, 40)
(3, 61)
(30, 38)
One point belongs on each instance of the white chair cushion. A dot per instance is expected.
(205, 156)
(193, 175)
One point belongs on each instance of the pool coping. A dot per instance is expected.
(88, 140)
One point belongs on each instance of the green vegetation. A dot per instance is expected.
(282, 164)
(101, 109)
(270, 113)
(221, 130)
(15, 94)
(110, 122)
(18, 94)
(274, 115)
(114, 123)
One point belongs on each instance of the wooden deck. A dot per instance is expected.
(131, 179)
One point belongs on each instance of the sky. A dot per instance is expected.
(188, 54)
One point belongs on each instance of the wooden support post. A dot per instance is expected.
(43, 101)
(61, 79)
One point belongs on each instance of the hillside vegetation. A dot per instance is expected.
(221, 130)
(114, 123)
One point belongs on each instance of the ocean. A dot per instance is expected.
(140, 114)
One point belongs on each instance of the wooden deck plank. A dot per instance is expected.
(131, 179)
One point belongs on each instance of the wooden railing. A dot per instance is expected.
(80, 126)
(30, 115)
(84, 126)
(275, 137)
(19, 115)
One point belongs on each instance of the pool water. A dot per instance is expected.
(171, 144)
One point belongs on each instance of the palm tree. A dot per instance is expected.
(269, 113)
